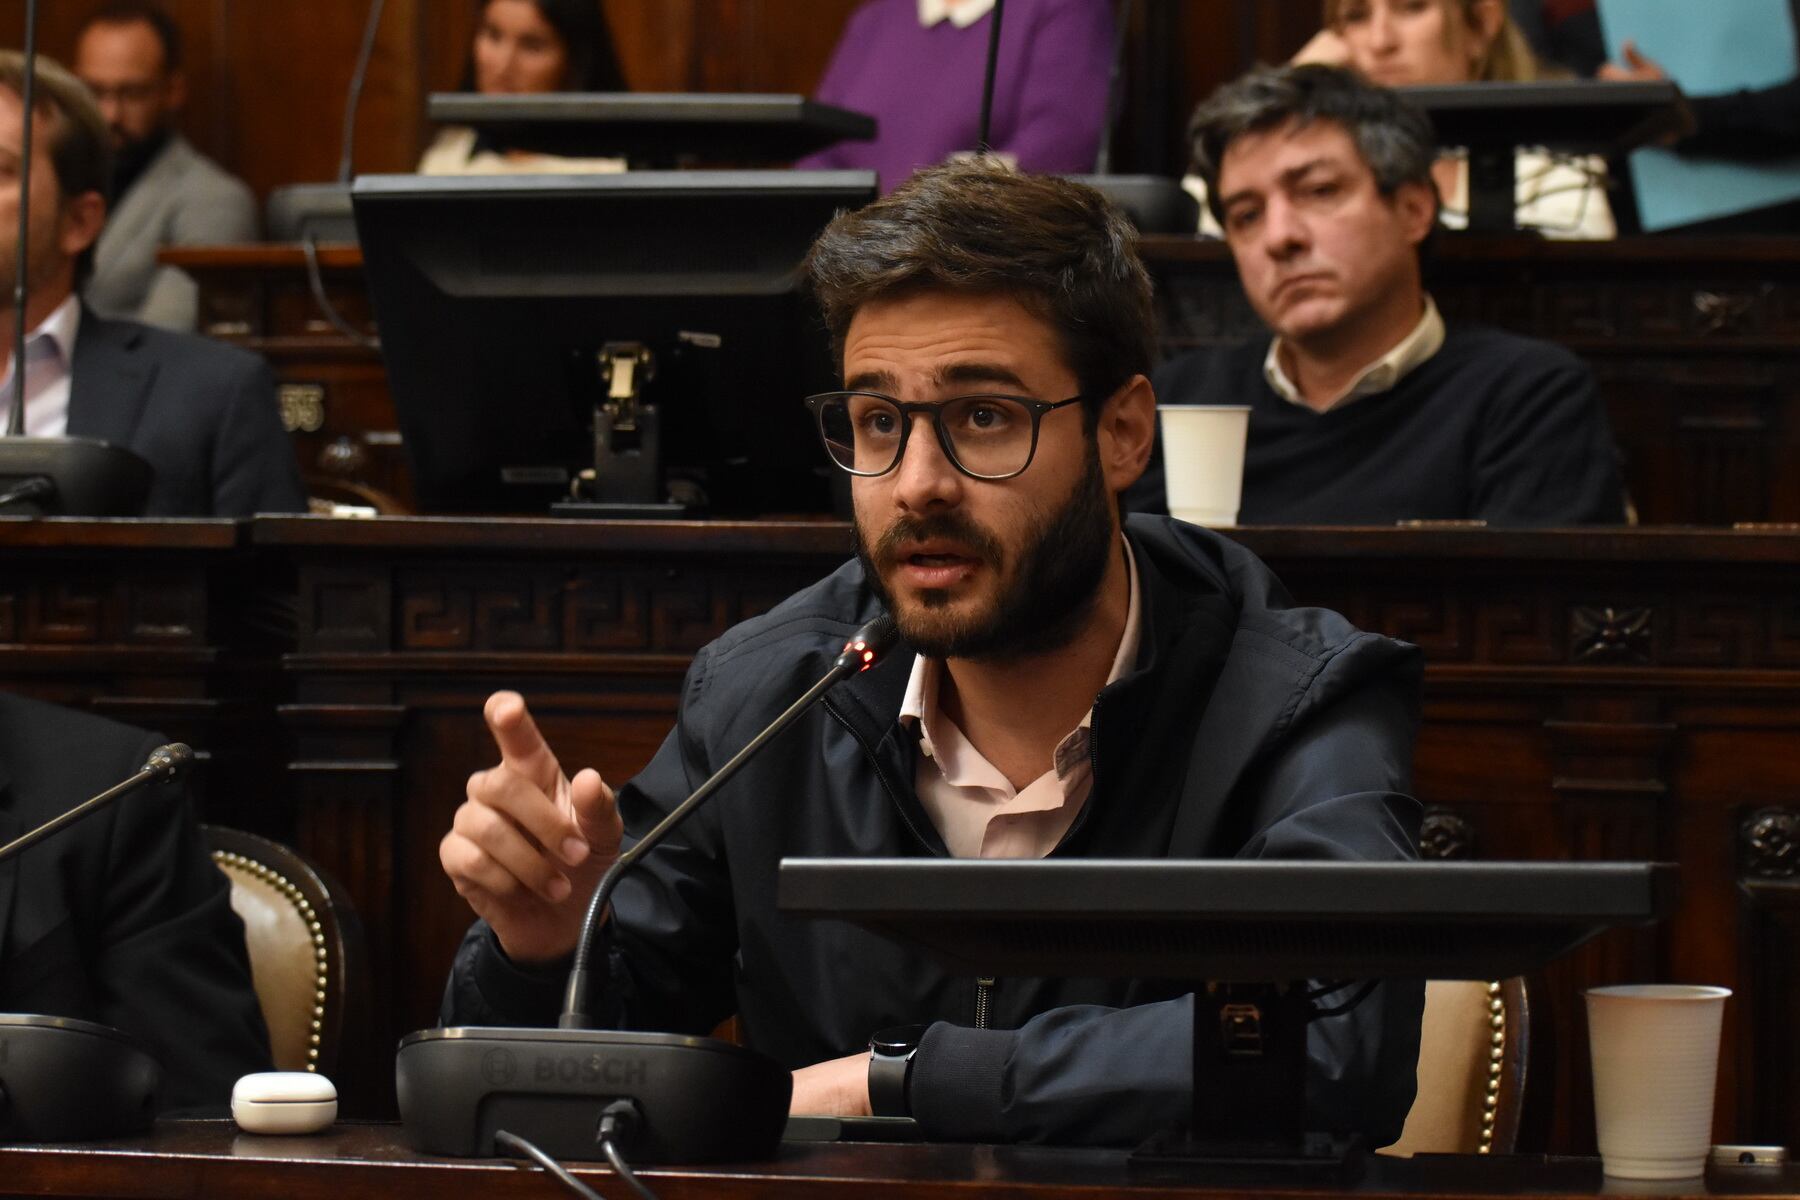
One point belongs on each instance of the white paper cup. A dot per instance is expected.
(1656, 1057)
(1203, 460)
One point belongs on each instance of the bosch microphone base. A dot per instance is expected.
(63, 1080)
(691, 1099)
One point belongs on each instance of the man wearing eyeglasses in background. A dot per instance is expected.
(1073, 689)
(164, 192)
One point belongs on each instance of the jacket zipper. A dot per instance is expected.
(880, 774)
(984, 991)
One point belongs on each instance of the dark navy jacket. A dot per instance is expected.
(121, 918)
(1250, 728)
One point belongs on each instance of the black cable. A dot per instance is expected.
(35, 488)
(1326, 987)
(357, 78)
(15, 422)
(1362, 993)
(1114, 92)
(983, 146)
(556, 1170)
(315, 280)
(610, 1128)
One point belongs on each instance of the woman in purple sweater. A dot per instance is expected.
(916, 66)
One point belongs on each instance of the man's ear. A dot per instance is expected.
(1126, 432)
(175, 92)
(83, 217)
(1416, 203)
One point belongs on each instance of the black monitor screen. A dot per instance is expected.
(495, 297)
(1250, 920)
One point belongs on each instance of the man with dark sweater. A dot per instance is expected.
(1364, 408)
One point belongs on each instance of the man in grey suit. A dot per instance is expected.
(202, 413)
(164, 192)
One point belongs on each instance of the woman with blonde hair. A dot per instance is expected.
(1402, 43)
(1399, 42)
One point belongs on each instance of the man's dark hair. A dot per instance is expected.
(1393, 135)
(132, 12)
(80, 144)
(981, 228)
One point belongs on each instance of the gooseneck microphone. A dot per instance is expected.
(983, 145)
(866, 647)
(76, 476)
(65, 1080)
(15, 420)
(165, 763)
(577, 1092)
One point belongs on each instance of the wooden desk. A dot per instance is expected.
(1589, 695)
(210, 1160)
(1696, 342)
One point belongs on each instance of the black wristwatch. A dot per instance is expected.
(890, 1069)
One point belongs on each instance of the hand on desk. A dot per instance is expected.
(528, 846)
(839, 1088)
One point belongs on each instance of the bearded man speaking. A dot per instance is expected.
(994, 331)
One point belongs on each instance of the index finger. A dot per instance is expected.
(522, 747)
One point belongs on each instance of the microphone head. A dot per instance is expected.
(169, 761)
(870, 644)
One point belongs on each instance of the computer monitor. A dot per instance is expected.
(516, 313)
(1492, 120)
(656, 129)
(1247, 921)
(1252, 932)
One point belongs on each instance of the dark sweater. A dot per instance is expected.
(1492, 427)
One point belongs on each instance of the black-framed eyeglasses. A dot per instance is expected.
(983, 436)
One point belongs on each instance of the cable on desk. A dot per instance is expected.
(619, 1123)
(556, 1170)
(1362, 993)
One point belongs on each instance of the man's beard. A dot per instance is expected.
(131, 158)
(1061, 565)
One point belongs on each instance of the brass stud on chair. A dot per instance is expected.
(321, 953)
(1490, 1101)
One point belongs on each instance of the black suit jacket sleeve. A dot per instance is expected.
(1753, 124)
(168, 963)
(121, 918)
(253, 465)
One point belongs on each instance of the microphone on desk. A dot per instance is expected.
(662, 1097)
(44, 475)
(164, 764)
(66, 1080)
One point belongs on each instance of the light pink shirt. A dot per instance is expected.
(976, 810)
(49, 357)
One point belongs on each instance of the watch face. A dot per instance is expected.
(901, 1039)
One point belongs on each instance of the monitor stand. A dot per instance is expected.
(1250, 1047)
(1493, 188)
(626, 482)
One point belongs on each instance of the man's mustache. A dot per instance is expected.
(897, 540)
